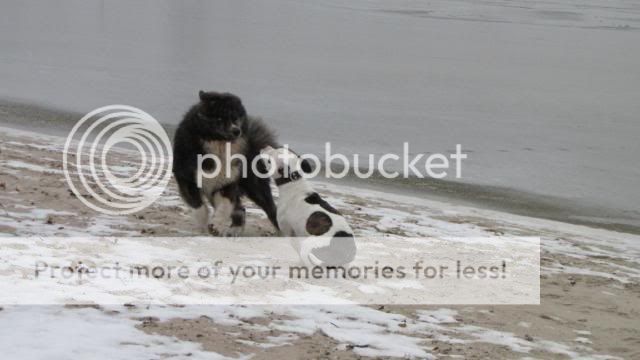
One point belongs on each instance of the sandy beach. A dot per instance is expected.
(590, 284)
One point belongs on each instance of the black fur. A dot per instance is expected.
(305, 164)
(222, 117)
(233, 193)
(315, 199)
(318, 223)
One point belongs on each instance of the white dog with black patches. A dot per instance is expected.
(320, 234)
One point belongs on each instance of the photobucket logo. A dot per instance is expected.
(106, 134)
(283, 163)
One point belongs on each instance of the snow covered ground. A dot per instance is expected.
(590, 282)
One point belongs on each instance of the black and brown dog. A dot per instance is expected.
(219, 125)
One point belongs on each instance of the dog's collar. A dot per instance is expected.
(292, 177)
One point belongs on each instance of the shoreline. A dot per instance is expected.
(26, 116)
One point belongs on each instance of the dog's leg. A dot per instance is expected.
(223, 208)
(238, 214)
(238, 217)
(198, 204)
(259, 191)
(230, 214)
(202, 216)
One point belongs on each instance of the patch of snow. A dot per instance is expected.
(17, 164)
(582, 340)
(52, 332)
(440, 316)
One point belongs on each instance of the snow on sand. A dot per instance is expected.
(589, 284)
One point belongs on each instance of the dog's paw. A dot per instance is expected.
(233, 231)
(211, 230)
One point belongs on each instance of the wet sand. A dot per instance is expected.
(59, 122)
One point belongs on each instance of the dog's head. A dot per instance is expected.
(285, 161)
(221, 116)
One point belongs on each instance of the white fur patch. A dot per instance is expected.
(202, 217)
(224, 177)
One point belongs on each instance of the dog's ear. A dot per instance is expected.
(207, 96)
(306, 166)
(262, 165)
(265, 157)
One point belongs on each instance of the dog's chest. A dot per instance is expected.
(228, 167)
